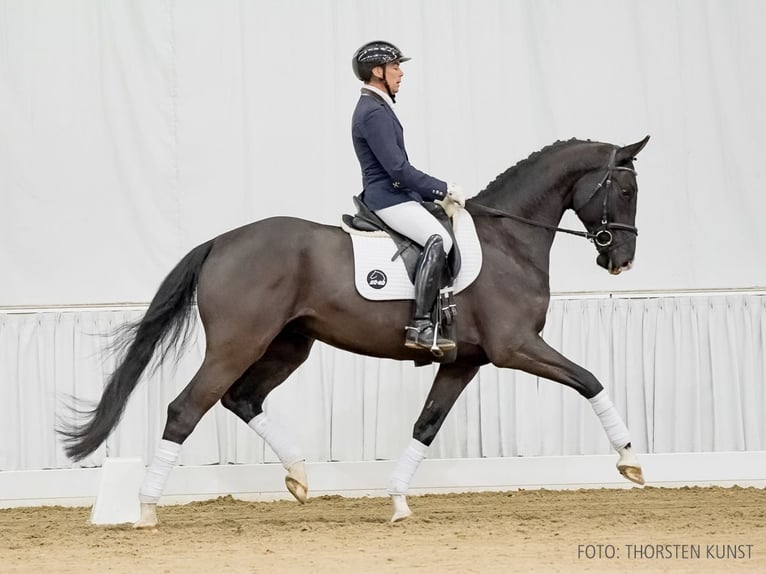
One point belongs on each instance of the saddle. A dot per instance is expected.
(406, 248)
(445, 312)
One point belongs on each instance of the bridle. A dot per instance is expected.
(601, 235)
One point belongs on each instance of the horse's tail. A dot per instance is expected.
(166, 321)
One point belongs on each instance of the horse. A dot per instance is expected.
(267, 291)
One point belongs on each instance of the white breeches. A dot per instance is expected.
(413, 220)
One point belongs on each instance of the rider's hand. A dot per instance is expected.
(456, 194)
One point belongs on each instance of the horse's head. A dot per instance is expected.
(605, 201)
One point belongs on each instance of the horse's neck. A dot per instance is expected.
(542, 190)
(540, 193)
(542, 199)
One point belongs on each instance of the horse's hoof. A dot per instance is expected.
(298, 490)
(297, 482)
(629, 466)
(632, 473)
(401, 509)
(400, 516)
(148, 518)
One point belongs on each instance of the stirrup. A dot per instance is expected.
(422, 335)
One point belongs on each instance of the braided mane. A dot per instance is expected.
(501, 180)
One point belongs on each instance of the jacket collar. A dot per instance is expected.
(373, 91)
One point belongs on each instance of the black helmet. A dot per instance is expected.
(374, 54)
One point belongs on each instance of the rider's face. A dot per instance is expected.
(393, 75)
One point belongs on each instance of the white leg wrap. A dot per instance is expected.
(277, 439)
(615, 428)
(406, 467)
(157, 474)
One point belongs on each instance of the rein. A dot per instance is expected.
(602, 236)
(500, 213)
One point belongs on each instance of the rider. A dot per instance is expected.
(393, 189)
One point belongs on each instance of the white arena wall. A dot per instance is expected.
(132, 131)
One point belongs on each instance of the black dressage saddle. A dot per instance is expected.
(406, 248)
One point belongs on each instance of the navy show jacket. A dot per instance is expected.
(387, 176)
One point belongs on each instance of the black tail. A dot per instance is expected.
(165, 322)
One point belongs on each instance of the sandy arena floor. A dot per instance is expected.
(644, 530)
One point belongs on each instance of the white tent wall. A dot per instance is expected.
(131, 131)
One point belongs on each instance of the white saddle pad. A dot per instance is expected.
(379, 279)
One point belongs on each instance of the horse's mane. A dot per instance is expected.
(501, 180)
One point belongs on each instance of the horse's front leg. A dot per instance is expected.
(538, 358)
(449, 383)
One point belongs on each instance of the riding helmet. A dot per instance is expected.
(372, 54)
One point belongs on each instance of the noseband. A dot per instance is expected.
(601, 235)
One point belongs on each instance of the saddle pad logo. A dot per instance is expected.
(377, 279)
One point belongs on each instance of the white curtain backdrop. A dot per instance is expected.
(132, 130)
(685, 372)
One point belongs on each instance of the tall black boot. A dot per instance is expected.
(420, 331)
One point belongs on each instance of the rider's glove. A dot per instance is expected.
(456, 194)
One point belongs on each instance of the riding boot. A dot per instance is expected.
(420, 331)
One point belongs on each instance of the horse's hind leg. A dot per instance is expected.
(245, 399)
(538, 358)
(449, 383)
(221, 367)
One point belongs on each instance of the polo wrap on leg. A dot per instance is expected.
(406, 467)
(611, 420)
(277, 439)
(165, 458)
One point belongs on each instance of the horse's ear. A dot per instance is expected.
(627, 153)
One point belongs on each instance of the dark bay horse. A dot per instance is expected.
(266, 291)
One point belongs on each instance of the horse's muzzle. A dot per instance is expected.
(603, 260)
